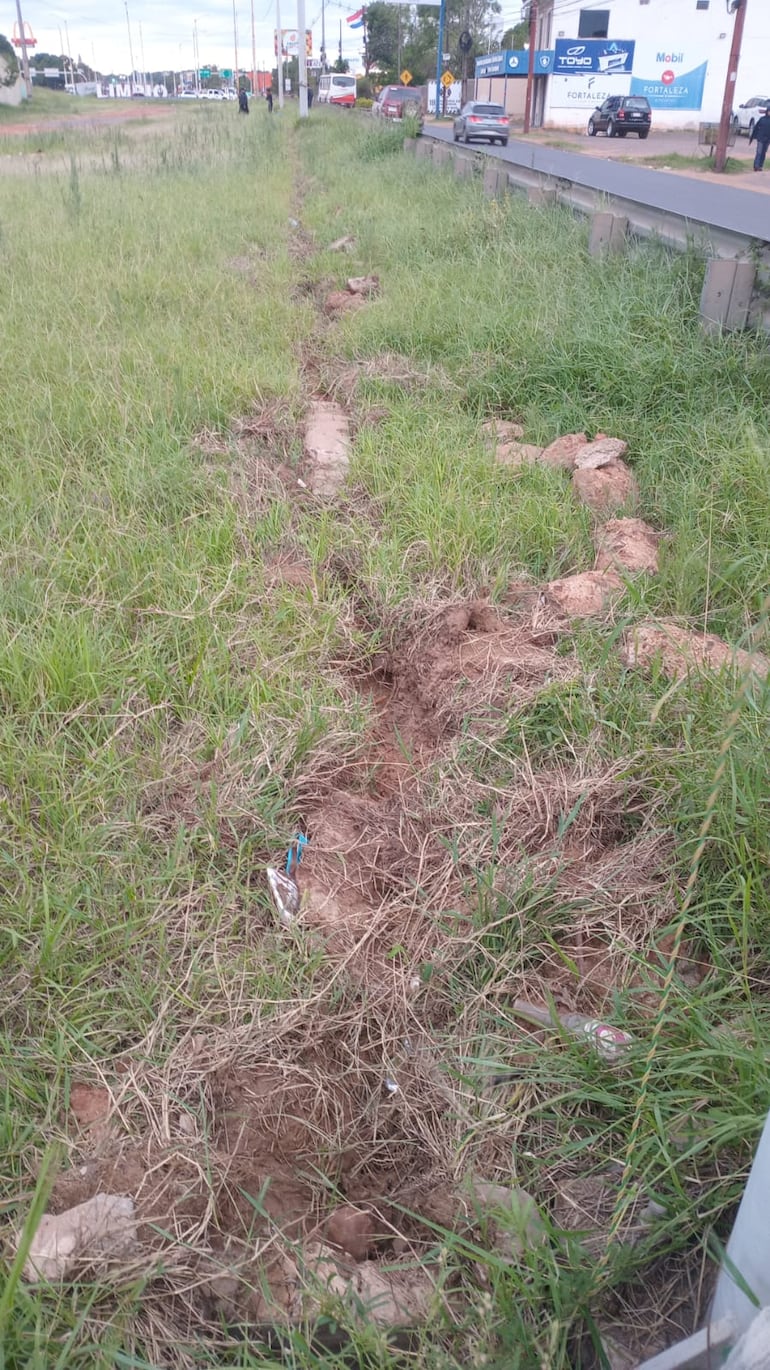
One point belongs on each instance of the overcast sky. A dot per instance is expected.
(98, 31)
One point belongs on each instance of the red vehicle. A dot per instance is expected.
(399, 102)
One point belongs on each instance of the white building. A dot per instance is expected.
(673, 51)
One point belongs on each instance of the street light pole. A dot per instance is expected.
(739, 9)
(130, 50)
(279, 52)
(440, 55)
(302, 59)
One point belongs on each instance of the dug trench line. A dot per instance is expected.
(309, 1160)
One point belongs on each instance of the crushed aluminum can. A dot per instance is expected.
(285, 892)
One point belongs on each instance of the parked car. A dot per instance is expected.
(399, 102)
(215, 94)
(748, 113)
(189, 95)
(478, 119)
(621, 114)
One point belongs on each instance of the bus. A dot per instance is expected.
(335, 89)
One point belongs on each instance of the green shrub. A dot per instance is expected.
(364, 103)
(9, 66)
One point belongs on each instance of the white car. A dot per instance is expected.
(216, 95)
(748, 114)
(189, 95)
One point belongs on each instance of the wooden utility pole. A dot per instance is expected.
(24, 57)
(530, 64)
(739, 10)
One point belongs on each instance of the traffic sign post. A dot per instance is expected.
(447, 80)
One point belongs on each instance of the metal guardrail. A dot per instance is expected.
(680, 210)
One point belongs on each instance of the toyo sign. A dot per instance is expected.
(593, 55)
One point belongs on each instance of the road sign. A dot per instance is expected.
(405, 77)
(465, 41)
(447, 79)
(205, 73)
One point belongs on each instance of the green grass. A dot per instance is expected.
(677, 160)
(142, 632)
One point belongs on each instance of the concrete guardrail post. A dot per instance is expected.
(493, 181)
(726, 296)
(608, 233)
(410, 145)
(441, 154)
(423, 148)
(463, 164)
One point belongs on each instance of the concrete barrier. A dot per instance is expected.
(608, 234)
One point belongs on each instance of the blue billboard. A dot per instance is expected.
(514, 62)
(672, 90)
(593, 56)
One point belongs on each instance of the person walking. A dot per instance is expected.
(309, 98)
(243, 102)
(760, 134)
(269, 98)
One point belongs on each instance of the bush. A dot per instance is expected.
(364, 103)
(9, 66)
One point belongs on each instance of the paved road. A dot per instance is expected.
(739, 211)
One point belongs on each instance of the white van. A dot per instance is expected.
(336, 89)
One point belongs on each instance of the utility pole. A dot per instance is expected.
(196, 57)
(141, 49)
(302, 59)
(235, 46)
(739, 10)
(24, 57)
(323, 36)
(253, 54)
(130, 49)
(440, 55)
(530, 64)
(279, 52)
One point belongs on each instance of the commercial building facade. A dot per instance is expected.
(675, 52)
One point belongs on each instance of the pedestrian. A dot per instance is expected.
(309, 99)
(760, 134)
(269, 98)
(243, 102)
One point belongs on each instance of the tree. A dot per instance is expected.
(382, 35)
(517, 37)
(341, 65)
(9, 66)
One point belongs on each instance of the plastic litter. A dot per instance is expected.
(391, 1086)
(294, 855)
(286, 895)
(609, 1042)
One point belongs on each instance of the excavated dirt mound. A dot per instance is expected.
(682, 651)
(628, 545)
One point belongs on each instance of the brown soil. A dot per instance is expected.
(588, 594)
(564, 450)
(683, 651)
(629, 545)
(606, 489)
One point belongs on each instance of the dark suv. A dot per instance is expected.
(621, 114)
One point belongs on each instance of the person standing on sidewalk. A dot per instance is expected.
(269, 98)
(760, 134)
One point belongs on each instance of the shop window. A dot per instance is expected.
(594, 23)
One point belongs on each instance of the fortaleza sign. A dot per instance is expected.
(669, 80)
(585, 92)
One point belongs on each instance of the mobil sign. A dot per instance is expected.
(593, 56)
(670, 78)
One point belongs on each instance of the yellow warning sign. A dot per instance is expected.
(447, 79)
(405, 77)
